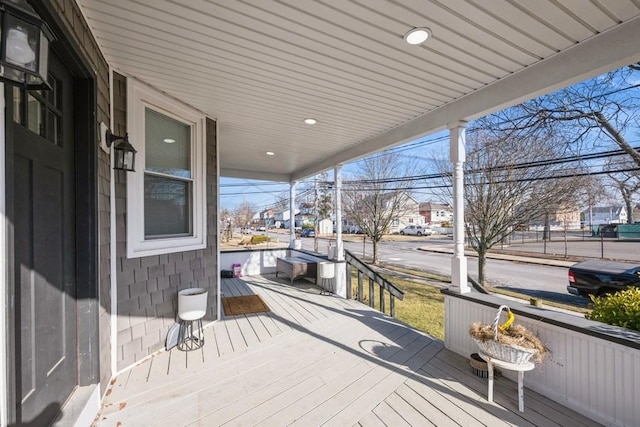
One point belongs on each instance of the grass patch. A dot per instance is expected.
(500, 291)
(259, 238)
(422, 306)
(417, 273)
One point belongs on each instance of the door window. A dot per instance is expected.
(40, 111)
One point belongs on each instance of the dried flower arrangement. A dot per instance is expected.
(518, 343)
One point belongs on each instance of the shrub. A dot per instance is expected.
(259, 238)
(619, 309)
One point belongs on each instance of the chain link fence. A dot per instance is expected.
(611, 241)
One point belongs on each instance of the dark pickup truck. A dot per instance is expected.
(601, 277)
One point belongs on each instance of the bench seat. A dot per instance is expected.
(296, 267)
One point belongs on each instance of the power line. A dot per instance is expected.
(542, 178)
(539, 163)
(524, 165)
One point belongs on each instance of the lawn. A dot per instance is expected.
(422, 306)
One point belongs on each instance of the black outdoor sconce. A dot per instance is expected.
(124, 153)
(24, 50)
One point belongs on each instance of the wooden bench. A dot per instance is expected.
(295, 267)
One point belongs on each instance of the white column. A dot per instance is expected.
(457, 155)
(337, 177)
(292, 214)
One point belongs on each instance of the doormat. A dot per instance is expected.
(246, 304)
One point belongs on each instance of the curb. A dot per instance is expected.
(504, 257)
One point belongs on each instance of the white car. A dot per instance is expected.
(416, 230)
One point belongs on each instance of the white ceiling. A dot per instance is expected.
(261, 66)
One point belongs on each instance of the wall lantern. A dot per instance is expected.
(125, 154)
(24, 50)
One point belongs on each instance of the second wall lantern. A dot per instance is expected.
(125, 154)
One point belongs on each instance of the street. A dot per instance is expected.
(543, 281)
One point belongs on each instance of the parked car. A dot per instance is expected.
(262, 228)
(308, 232)
(601, 277)
(416, 230)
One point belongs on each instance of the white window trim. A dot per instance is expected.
(140, 96)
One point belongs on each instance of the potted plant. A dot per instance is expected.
(509, 342)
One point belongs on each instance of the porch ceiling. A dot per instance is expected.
(261, 66)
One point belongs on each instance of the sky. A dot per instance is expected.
(264, 194)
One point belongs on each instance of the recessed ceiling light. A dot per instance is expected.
(310, 121)
(270, 153)
(169, 140)
(417, 35)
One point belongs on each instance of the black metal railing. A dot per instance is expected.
(374, 279)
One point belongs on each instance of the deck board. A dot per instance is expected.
(315, 359)
(420, 406)
(406, 411)
(371, 420)
(475, 403)
(383, 382)
(246, 329)
(258, 327)
(440, 397)
(238, 342)
(504, 394)
(390, 417)
(221, 339)
(348, 372)
(543, 411)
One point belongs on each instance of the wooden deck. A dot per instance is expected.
(316, 360)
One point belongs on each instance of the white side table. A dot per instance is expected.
(520, 368)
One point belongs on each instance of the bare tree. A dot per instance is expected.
(323, 203)
(225, 214)
(626, 180)
(599, 110)
(507, 185)
(282, 202)
(377, 193)
(225, 223)
(590, 194)
(243, 214)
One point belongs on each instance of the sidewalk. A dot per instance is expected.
(531, 259)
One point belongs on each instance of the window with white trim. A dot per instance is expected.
(166, 195)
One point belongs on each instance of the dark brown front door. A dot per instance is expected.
(44, 214)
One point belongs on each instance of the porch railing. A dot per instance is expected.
(374, 279)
